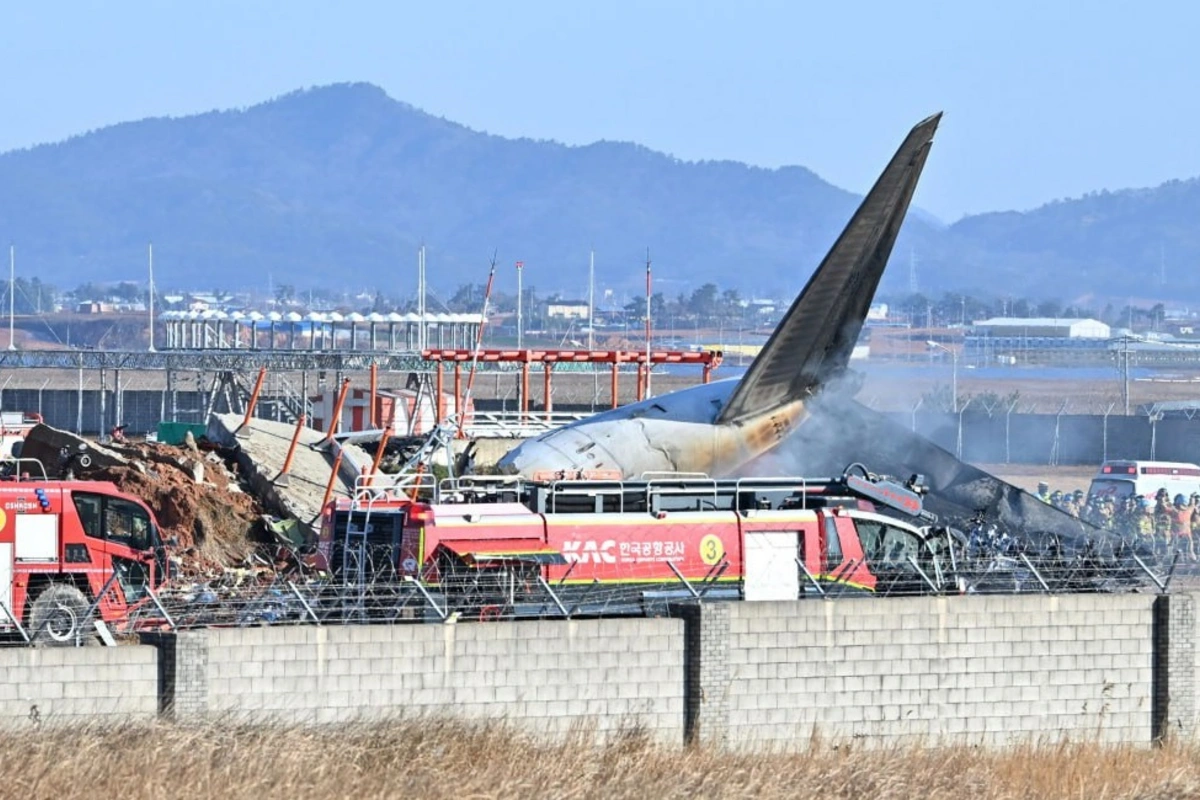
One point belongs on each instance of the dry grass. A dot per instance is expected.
(450, 760)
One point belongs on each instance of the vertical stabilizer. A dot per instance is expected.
(812, 345)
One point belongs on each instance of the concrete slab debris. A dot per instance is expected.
(262, 450)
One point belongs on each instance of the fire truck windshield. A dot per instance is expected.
(898, 553)
(115, 519)
(126, 523)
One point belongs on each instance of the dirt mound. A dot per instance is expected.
(196, 498)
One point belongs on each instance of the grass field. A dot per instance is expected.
(444, 760)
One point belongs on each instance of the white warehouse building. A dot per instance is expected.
(1041, 327)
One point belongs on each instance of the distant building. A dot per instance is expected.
(1038, 340)
(92, 307)
(1041, 328)
(567, 309)
(877, 312)
(762, 306)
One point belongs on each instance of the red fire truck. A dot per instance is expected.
(505, 547)
(71, 552)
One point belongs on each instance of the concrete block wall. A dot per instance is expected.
(989, 670)
(45, 686)
(543, 675)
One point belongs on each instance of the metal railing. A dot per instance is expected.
(514, 424)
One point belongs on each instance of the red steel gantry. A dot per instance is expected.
(708, 360)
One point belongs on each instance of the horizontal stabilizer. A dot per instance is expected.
(812, 345)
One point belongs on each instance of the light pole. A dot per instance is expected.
(1125, 373)
(520, 326)
(954, 372)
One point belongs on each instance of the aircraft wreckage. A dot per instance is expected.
(793, 412)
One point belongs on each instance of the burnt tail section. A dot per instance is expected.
(812, 344)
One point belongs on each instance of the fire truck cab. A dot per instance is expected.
(72, 552)
(505, 546)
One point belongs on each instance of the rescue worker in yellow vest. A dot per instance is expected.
(1162, 523)
(1143, 521)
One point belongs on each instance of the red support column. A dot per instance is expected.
(549, 367)
(457, 389)
(373, 408)
(616, 364)
(439, 404)
(258, 384)
(383, 440)
(337, 410)
(283, 479)
(337, 463)
(525, 385)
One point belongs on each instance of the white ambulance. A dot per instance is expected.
(1118, 479)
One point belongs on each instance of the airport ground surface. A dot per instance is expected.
(896, 386)
(1026, 476)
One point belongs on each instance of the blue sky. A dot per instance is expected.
(1043, 100)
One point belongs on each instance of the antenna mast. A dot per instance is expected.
(648, 284)
(150, 258)
(12, 295)
(520, 324)
(421, 332)
(466, 399)
(592, 300)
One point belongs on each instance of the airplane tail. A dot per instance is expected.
(812, 345)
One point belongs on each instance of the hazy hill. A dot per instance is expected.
(337, 186)
(1136, 242)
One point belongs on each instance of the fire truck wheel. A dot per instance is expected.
(60, 617)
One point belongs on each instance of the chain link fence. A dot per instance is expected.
(1081, 431)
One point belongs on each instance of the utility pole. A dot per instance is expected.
(520, 320)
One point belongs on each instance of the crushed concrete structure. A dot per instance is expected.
(45, 444)
(195, 493)
(218, 499)
(262, 448)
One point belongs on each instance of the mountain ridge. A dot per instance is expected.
(341, 183)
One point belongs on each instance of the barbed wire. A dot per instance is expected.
(369, 590)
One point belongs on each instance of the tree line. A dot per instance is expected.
(956, 308)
